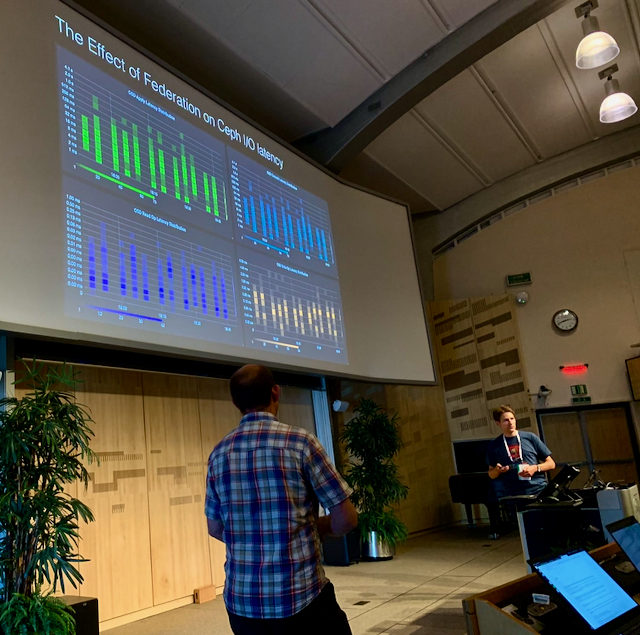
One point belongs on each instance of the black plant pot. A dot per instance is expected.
(341, 551)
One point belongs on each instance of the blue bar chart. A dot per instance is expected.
(122, 267)
(278, 217)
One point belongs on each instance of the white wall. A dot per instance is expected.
(579, 246)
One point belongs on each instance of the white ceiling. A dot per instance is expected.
(330, 54)
(523, 103)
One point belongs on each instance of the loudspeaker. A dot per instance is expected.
(85, 613)
(341, 551)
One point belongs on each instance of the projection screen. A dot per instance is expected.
(138, 211)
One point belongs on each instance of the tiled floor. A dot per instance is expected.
(416, 593)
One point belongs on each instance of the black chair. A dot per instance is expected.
(475, 488)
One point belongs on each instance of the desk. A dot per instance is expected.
(484, 615)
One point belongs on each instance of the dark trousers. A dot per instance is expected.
(322, 617)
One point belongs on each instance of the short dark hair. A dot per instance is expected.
(498, 412)
(251, 387)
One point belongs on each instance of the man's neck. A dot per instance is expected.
(510, 435)
(272, 409)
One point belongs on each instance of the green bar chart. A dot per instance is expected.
(127, 144)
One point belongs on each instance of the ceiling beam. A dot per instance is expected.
(336, 147)
(587, 158)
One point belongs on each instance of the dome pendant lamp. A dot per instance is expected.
(617, 105)
(596, 47)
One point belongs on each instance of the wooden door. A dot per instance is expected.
(218, 416)
(593, 439)
(563, 436)
(611, 444)
(180, 555)
(117, 544)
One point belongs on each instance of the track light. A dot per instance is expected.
(617, 105)
(596, 47)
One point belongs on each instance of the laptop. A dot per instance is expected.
(591, 594)
(626, 533)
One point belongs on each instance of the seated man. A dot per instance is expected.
(517, 460)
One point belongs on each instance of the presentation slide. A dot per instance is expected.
(168, 229)
(145, 214)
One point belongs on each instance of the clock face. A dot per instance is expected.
(565, 320)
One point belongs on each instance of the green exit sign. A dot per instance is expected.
(575, 400)
(519, 278)
(579, 389)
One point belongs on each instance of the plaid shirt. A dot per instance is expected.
(264, 482)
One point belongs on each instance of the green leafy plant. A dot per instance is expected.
(372, 439)
(44, 439)
(41, 614)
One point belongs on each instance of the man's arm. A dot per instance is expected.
(342, 518)
(215, 528)
(545, 466)
(495, 468)
(548, 464)
(495, 471)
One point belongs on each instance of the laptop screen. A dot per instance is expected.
(629, 540)
(591, 591)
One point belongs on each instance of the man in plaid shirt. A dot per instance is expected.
(265, 482)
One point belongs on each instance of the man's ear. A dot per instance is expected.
(275, 394)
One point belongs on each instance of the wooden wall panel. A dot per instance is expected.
(501, 367)
(154, 433)
(179, 543)
(480, 363)
(460, 371)
(426, 458)
(296, 408)
(426, 461)
(117, 543)
(218, 416)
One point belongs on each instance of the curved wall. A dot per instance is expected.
(582, 247)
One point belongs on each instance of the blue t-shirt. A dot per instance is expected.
(533, 452)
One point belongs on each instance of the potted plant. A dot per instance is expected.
(372, 439)
(44, 439)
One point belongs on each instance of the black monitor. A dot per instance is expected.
(555, 490)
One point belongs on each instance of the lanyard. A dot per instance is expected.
(506, 446)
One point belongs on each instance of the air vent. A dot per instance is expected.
(594, 176)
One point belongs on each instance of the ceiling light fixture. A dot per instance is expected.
(596, 47)
(617, 105)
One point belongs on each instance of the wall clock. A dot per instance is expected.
(565, 320)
